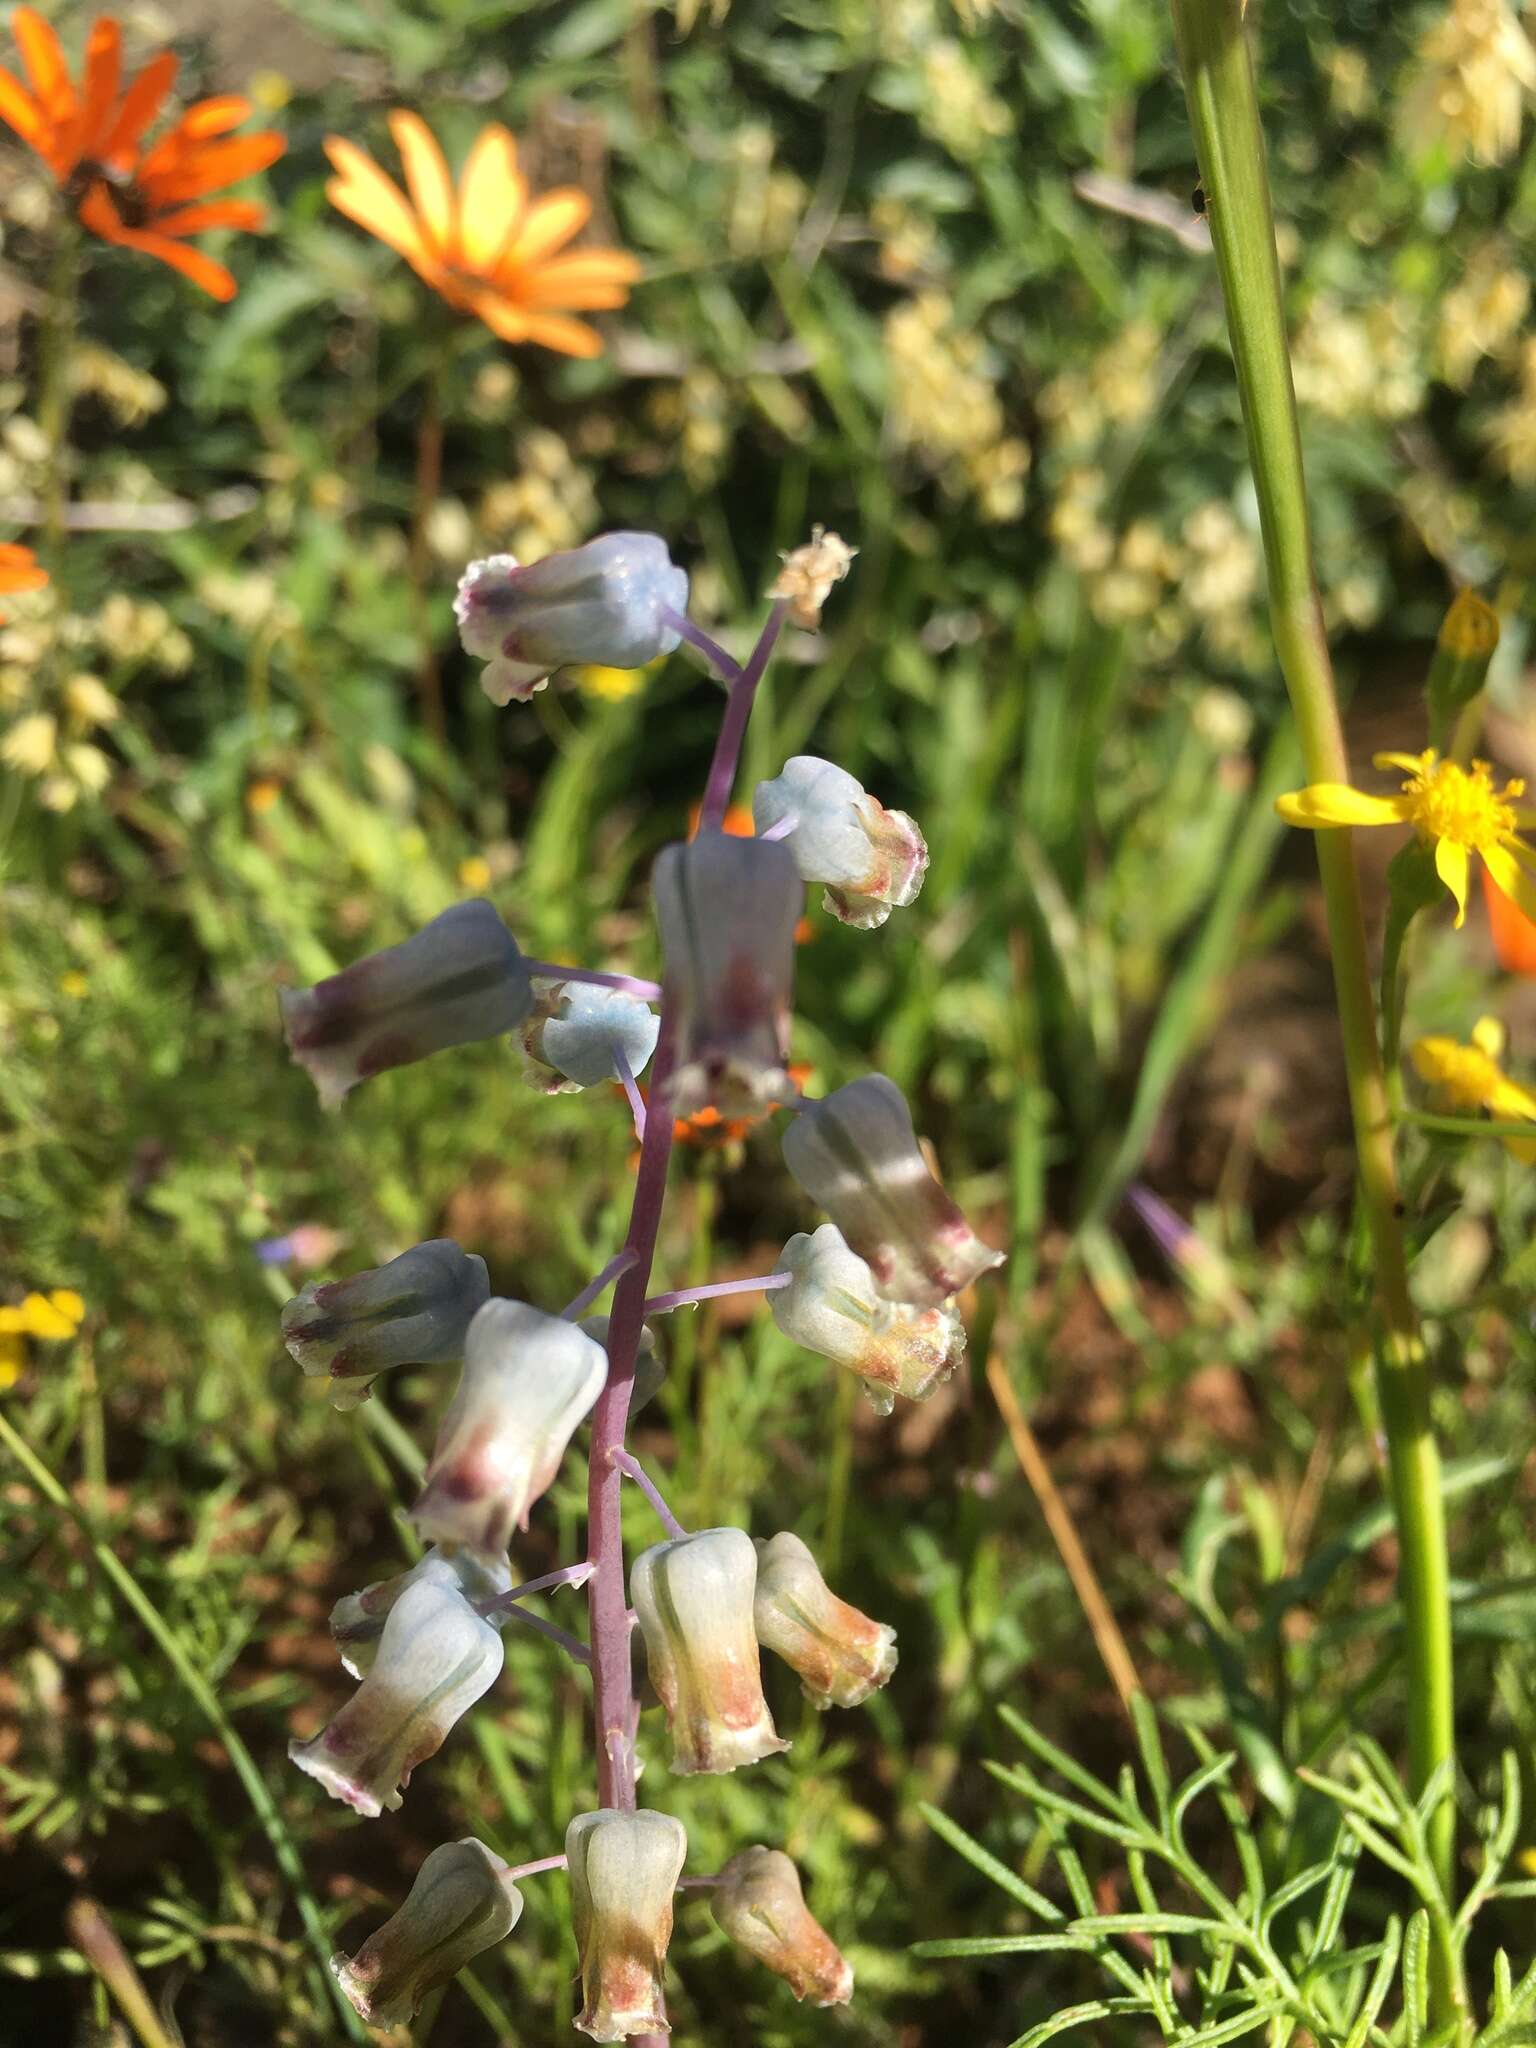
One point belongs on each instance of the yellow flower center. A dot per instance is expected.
(1447, 801)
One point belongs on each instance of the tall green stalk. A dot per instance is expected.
(55, 386)
(1229, 143)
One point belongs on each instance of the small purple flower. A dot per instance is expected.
(414, 1311)
(728, 909)
(461, 978)
(606, 603)
(855, 1152)
(872, 860)
(461, 1903)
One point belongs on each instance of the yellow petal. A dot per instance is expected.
(547, 225)
(427, 180)
(1523, 1149)
(1433, 1058)
(1335, 803)
(1452, 865)
(13, 1359)
(68, 1303)
(13, 1322)
(1411, 764)
(1511, 876)
(1489, 1036)
(44, 1320)
(365, 194)
(492, 196)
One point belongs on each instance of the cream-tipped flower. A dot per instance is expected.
(855, 1152)
(624, 1869)
(759, 1904)
(435, 1658)
(528, 1380)
(461, 1903)
(841, 1656)
(416, 1310)
(606, 603)
(357, 1619)
(871, 859)
(461, 978)
(833, 1307)
(575, 1028)
(809, 574)
(693, 1598)
(650, 1366)
(728, 909)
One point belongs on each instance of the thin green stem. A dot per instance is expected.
(55, 386)
(1469, 1126)
(1224, 113)
(202, 1693)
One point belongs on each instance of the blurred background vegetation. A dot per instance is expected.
(935, 275)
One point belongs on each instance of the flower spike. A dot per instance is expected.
(416, 1310)
(856, 1153)
(871, 859)
(624, 1869)
(528, 1380)
(841, 1656)
(693, 1598)
(727, 909)
(759, 1904)
(434, 1659)
(461, 1903)
(460, 979)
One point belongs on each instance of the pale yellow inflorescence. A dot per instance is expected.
(944, 404)
(1475, 69)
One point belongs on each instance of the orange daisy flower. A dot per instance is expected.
(19, 570)
(92, 140)
(487, 248)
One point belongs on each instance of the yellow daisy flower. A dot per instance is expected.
(1455, 810)
(1470, 1077)
(52, 1317)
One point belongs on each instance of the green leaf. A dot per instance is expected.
(1380, 1985)
(1078, 2016)
(1157, 1923)
(1415, 1979)
(990, 1867)
(1007, 1945)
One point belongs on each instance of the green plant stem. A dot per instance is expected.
(1224, 113)
(202, 1693)
(55, 392)
(1469, 1126)
(95, 1937)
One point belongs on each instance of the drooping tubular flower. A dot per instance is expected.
(416, 1310)
(574, 1029)
(833, 1307)
(461, 1903)
(357, 1619)
(1455, 810)
(92, 139)
(459, 979)
(528, 1380)
(856, 1154)
(759, 1904)
(624, 1869)
(607, 601)
(693, 1598)
(487, 248)
(1469, 1077)
(434, 1659)
(727, 910)
(871, 859)
(19, 568)
(840, 1655)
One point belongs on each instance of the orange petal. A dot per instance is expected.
(101, 77)
(216, 116)
(99, 215)
(492, 196)
(365, 194)
(427, 180)
(44, 59)
(588, 281)
(141, 102)
(20, 112)
(212, 165)
(1514, 935)
(565, 337)
(18, 568)
(245, 214)
(546, 226)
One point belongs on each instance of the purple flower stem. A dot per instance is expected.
(550, 970)
(724, 665)
(733, 727)
(631, 1467)
(684, 1296)
(619, 1263)
(627, 1082)
(573, 1646)
(570, 1575)
(781, 830)
(698, 1884)
(533, 1869)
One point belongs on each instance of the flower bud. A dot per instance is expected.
(693, 1599)
(650, 1366)
(573, 1030)
(856, 1153)
(528, 1380)
(604, 603)
(872, 859)
(461, 1904)
(832, 1306)
(357, 1620)
(435, 1658)
(759, 1904)
(624, 1869)
(414, 1311)
(840, 1654)
(461, 978)
(727, 909)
